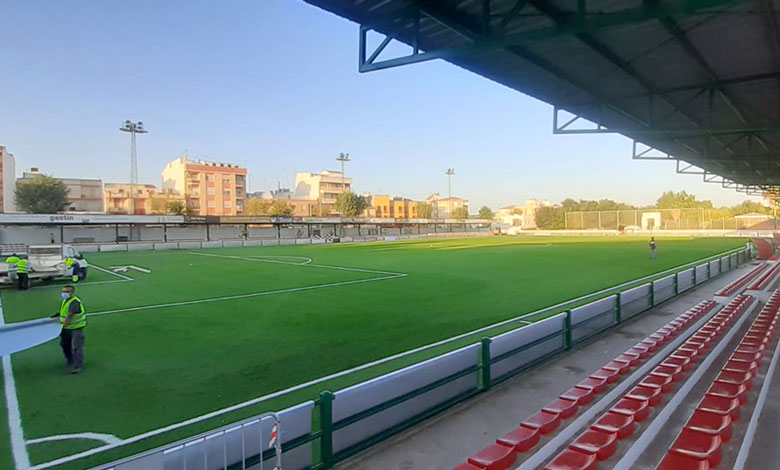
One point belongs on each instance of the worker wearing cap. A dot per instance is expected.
(73, 317)
(22, 270)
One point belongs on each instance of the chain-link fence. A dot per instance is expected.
(665, 219)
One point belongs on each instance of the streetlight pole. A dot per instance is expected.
(343, 158)
(133, 128)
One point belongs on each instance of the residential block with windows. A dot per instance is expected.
(322, 187)
(209, 188)
(84, 195)
(148, 200)
(7, 180)
(444, 207)
(386, 207)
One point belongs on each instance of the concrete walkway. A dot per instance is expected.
(447, 440)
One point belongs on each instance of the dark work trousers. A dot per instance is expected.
(23, 281)
(72, 344)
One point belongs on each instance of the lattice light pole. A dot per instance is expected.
(133, 128)
(450, 172)
(343, 158)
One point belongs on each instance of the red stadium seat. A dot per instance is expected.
(615, 423)
(678, 361)
(494, 457)
(757, 357)
(699, 445)
(728, 390)
(544, 421)
(602, 444)
(622, 368)
(572, 460)
(639, 409)
(712, 423)
(640, 392)
(670, 370)
(596, 385)
(664, 382)
(562, 406)
(610, 375)
(720, 405)
(733, 377)
(674, 461)
(520, 438)
(642, 353)
(582, 395)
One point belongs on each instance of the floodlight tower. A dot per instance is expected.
(343, 158)
(133, 128)
(450, 172)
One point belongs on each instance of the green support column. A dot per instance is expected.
(567, 330)
(484, 363)
(694, 276)
(652, 294)
(326, 426)
(676, 282)
(618, 319)
(709, 270)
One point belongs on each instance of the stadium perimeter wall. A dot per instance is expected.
(320, 433)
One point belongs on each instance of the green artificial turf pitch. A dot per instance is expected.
(200, 333)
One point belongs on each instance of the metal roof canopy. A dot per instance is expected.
(693, 81)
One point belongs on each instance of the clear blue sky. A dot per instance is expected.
(273, 85)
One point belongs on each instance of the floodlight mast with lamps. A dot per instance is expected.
(133, 128)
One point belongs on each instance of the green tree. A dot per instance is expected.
(748, 207)
(424, 210)
(280, 209)
(175, 207)
(255, 206)
(485, 213)
(460, 213)
(681, 200)
(550, 218)
(41, 195)
(349, 204)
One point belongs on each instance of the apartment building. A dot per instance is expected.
(209, 188)
(7, 180)
(84, 195)
(444, 207)
(322, 187)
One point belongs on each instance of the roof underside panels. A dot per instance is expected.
(698, 80)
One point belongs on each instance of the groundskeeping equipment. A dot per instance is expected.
(19, 336)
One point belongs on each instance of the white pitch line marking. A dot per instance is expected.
(122, 276)
(245, 296)
(18, 447)
(93, 436)
(261, 259)
(59, 286)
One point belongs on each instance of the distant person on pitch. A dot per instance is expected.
(73, 317)
(652, 247)
(748, 247)
(22, 273)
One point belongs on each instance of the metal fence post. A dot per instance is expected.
(618, 318)
(652, 294)
(676, 283)
(326, 426)
(484, 363)
(567, 330)
(709, 270)
(694, 276)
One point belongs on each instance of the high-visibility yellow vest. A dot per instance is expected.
(21, 266)
(69, 262)
(79, 320)
(12, 260)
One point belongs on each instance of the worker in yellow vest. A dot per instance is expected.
(11, 262)
(74, 267)
(22, 268)
(73, 317)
